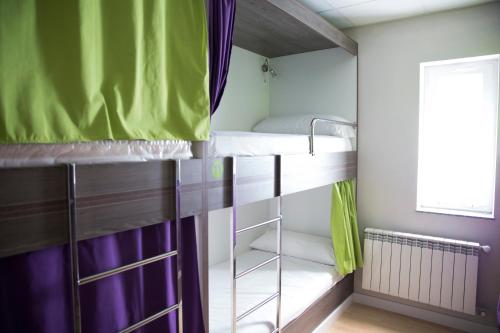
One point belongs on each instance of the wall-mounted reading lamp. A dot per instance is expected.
(266, 68)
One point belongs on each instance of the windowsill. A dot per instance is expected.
(452, 212)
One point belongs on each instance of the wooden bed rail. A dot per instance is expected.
(117, 197)
(109, 198)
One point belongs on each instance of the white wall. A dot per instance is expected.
(389, 57)
(308, 211)
(315, 82)
(246, 98)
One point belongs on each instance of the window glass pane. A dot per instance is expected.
(457, 136)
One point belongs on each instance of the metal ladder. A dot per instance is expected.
(235, 318)
(77, 281)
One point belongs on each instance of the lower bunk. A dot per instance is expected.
(310, 292)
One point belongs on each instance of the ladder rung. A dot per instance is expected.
(245, 272)
(125, 268)
(150, 319)
(259, 225)
(261, 304)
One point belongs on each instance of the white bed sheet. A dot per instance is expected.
(17, 155)
(302, 283)
(228, 143)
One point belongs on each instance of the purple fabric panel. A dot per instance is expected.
(220, 30)
(35, 288)
(498, 312)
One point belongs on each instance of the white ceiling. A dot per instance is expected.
(352, 13)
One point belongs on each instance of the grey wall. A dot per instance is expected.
(314, 82)
(389, 57)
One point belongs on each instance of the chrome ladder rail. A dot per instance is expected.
(277, 258)
(76, 281)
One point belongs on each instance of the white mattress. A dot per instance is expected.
(302, 283)
(229, 143)
(15, 155)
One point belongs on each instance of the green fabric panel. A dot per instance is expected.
(344, 227)
(81, 70)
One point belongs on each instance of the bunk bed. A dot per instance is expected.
(106, 198)
(59, 195)
(253, 173)
(256, 171)
(53, 194)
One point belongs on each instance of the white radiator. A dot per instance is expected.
(431, 270)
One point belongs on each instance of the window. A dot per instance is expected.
(458, 136)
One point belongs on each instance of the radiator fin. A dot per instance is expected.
(385, 269)
(376, 264)
(447, 279)
(367, 267)
(425, 274)
(404, 277)
(470, 284)
(395, 269)
(436, 276)
(416, 255)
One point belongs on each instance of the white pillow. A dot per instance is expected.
(301, 124)
(298, 245)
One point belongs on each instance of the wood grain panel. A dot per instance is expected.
(275, 28)
(32, 185)
(33, 208)
(219, 180)
(255, 179)
(304, 172)
(118, 197)
(110, 198)
(324, 306)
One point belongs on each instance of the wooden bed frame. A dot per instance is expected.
(274, 28)
(317, 312)
(121, 196)
(115, 197)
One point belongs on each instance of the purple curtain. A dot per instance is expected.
(498, 312)
(220, 31)
(35, 287)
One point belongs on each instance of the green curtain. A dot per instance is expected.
(344, 227)
(81, 70)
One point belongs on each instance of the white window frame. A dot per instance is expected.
(456, 212)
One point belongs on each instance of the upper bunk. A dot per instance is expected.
(114, 196)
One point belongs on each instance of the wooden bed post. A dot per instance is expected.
(203, 241)
(178, 233)
(232, 246)
(73, 248)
